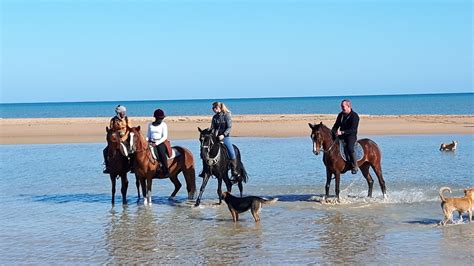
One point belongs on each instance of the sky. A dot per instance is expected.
(107, 50)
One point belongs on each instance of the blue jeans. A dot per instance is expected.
(230, 148)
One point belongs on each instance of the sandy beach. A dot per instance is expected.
(79, 130)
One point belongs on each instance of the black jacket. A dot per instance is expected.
(222, 123)
(347, 123)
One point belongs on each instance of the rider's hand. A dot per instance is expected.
(221, 137)
(339, 132)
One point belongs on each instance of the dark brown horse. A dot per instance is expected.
(118, 165)
(146, 166)
(335, 165)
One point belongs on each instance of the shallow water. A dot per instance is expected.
(56, 209)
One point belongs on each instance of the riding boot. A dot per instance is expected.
(355, 168)
(106, 162)
(233, 169)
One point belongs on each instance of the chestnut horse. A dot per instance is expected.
(146, 166)
(335, 165)
(118, 165)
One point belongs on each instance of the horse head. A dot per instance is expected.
(113, 141)
(321, 137)
(137, 141)
(208, 144)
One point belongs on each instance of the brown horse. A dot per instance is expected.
(146, 166)
(335, 165)
(118, 165)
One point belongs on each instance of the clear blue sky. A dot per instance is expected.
(150, 50)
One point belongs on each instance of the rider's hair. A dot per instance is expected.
(348, 102)
(222, 106)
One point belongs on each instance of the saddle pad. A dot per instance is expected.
(359, 151)
(175, 153)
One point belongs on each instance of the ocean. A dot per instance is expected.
(443, 104)
(56, 209)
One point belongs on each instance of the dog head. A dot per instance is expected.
(224, 195)
(469, 192)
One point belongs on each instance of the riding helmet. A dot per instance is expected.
(120, 109)
(159, 114)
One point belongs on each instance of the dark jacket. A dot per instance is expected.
(347, 123)
(222, 123)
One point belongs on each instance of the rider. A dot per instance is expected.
(120, 124)
(221, 125)
(346, 126)
(158, 134)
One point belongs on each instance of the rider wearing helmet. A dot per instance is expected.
(119, 123)
(158, 135)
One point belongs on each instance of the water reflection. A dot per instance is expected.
(348, 239)
(131, 235)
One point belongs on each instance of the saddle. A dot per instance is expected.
(171, 152)
(359, 151)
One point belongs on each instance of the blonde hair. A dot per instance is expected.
(222, 106)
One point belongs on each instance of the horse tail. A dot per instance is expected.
(245, 176)
(441, 191)
(188, 170)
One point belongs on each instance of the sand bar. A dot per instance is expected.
(80, 130)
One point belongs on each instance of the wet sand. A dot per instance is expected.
(80, 130)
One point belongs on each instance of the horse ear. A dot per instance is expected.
(311, 125)
(138, 128)
(106, 129)
(199, 129)
(321, 123)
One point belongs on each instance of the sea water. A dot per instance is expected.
(56, 209)
(448, 104)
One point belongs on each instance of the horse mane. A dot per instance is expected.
(141, 142)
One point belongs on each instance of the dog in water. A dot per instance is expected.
(448, 146)
(239, 205)
(462, 205)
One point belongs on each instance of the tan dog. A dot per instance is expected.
(238, 205)
(448, 146)
(462, 205)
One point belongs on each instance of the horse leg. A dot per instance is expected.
(137, 183)
(364, 168)
(124, 188)
(219, 189)
(201, 190)
(338, 182)
(112, 180)
(328, 183)
(378, 171)
(190, 178)
(177, 186)
(149, 181)
(143, 183)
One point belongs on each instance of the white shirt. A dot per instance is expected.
(157, 134)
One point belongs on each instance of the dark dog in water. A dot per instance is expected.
(238, 205)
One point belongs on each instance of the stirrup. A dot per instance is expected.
(354, 171)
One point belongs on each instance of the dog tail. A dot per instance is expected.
(441, 191)
(265, 201)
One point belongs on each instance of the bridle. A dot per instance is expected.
(207, 145)
(319, 143)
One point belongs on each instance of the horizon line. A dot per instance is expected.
(240, 98)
